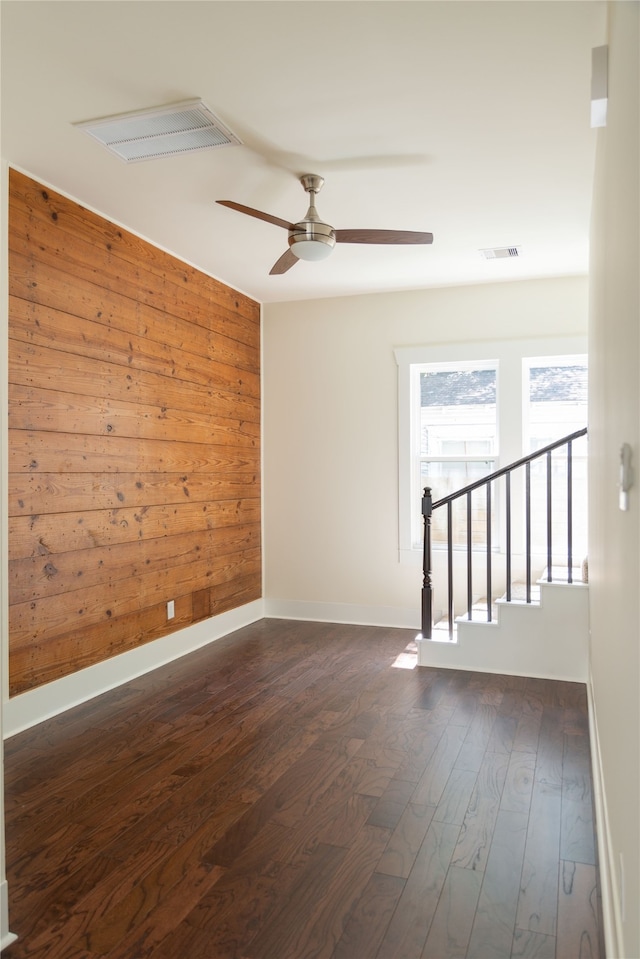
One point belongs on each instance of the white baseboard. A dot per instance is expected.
(30, 708)
(346, 613)
(611, 913)
(6, 937)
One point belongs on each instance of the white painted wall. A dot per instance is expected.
(331, 433)
(614, 547)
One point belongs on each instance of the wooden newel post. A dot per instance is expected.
(427, 591)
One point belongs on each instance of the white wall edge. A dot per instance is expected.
(27, 709)
(410, 557)
(611, 913)
(346, 613)
(7, 937)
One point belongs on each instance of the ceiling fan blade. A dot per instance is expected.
(382, 236)
(286, 261)
(257, 213)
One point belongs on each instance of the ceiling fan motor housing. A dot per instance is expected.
(312, 240)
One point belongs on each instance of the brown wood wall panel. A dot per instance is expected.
(69, 294)
(63, 532)
(134, 441)
(34, 409)
(66, 492)
(173, 277)
(47, 368)
(33, 579)
(50, 616)
(31, 450)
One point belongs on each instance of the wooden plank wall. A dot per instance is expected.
(134, 440)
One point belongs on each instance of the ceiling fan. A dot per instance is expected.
(311, 239)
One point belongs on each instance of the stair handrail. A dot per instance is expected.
(508, 469)
(427, 509)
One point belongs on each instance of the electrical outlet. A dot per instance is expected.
(171, 609)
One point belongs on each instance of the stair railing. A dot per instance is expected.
(428, 507)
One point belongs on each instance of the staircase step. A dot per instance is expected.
(551, 641)
(518, 598)
(559, 574)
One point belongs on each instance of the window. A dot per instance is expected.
(556, 405)
(465, 409)
(458, 439)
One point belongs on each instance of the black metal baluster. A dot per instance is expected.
(549, 518)
(569, 512)
(450, 567)
(428, 506)
(488, 538)
(427, 588)
(469, 555)
(507, 487)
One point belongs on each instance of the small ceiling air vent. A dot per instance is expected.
(160, 132)
(500, 252)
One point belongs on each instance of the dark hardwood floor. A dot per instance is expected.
(298, 790)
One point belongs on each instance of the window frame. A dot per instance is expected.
(418, 458)
(509, 356)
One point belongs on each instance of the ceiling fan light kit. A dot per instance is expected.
(311, 247)
(312, 239)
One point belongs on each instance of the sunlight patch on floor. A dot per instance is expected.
(408, 658)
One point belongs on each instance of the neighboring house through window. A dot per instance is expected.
(466, 409)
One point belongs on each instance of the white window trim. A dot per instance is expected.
(509, 355)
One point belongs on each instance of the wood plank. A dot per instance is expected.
(50, 288)
(391, 806)
(576, 766)
(369, 918)
(35, 330)
(456, 796)
(42, 619)
(60, 532)
(47, 575)
(407, 932)
(43, 661)
(78, 648)
(436, 775)
(493, 926)
(31, 452)
(122, 360)
(550, 753)
(227, 916)
(159, 291)
(579, 927)
(53, 411)
(215, 808)
(406, 840)
(577, 834)
(474, 842)
(451, 927)
(518, 785)
(533, 945)
(537, 908)
(73, 492)
(43, 205)
(317, 929)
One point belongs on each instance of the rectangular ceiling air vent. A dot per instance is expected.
(160, 132)
(500, 252)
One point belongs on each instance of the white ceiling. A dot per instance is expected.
(466, 119)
